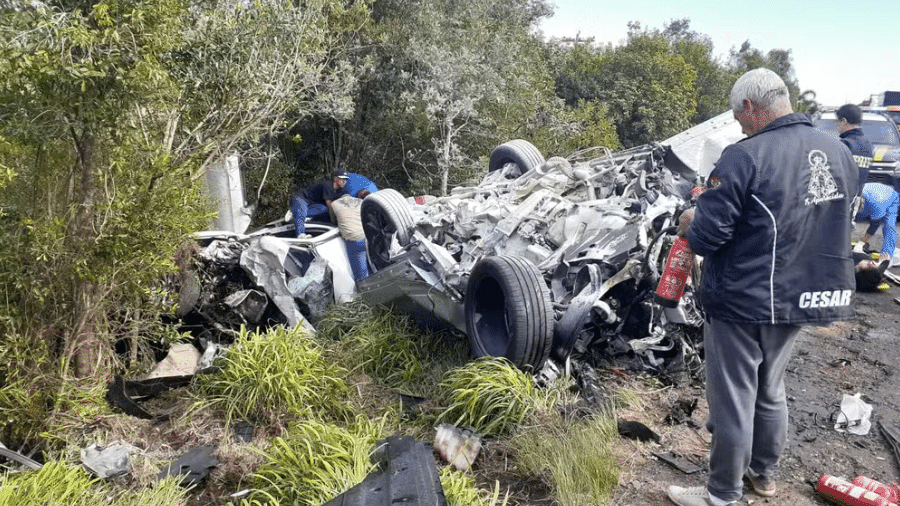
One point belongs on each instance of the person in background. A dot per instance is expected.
(869, 273)
(359, 186)
(879, 207)
(774, 228)
(849, 119)
(314, 201)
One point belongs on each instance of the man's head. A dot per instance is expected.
(757, 98)
(848, 116)
(869, 275)
(340, 178)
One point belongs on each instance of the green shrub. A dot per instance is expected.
(316, 462)
(27, 391)
(490, 394)
(276, 374)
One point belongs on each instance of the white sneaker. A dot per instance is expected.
(304, 236)
(691, 496)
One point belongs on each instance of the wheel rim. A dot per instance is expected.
(379, 232)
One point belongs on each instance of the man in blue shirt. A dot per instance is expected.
(879, 208)
(359, 186)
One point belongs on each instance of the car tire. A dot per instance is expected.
(384, 214)
(508, 311)
(518, 151)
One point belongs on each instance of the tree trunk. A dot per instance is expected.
(84, 340)
(445, 160)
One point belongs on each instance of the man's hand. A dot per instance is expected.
(684, 222)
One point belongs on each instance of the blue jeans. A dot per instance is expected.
(301, 208)
(356, 253)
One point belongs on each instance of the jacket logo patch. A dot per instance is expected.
(825, 299)
(822, 187)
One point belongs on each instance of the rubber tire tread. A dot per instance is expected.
(527, 307)
(519, 151)
(391, 205)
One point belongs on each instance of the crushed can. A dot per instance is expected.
(844, 492)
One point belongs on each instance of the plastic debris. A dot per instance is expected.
(458, 446)
(854, 416)
(193, 467)
(108, 461)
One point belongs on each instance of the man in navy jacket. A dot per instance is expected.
(773, 228)
(849, 119)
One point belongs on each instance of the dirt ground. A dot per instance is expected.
(858, 356)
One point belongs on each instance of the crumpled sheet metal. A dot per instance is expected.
(266, 260)
(108, 461)
(314, 287)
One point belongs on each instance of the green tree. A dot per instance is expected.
(648, 88)
(713, 82)
(109, 115)
(74, 83)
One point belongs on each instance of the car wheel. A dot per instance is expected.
(384, 214)
(519, 152)
(508, 311)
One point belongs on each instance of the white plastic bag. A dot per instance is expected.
(854, 416)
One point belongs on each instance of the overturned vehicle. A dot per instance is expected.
(548, 259)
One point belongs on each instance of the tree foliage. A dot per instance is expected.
(713, 81)
(648, 88)
(110, 113)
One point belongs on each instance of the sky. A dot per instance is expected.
(843, 50)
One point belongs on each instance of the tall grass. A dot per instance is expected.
(59, 483)
(490, 394)
(316, 462)
(575, 458)
(390, 348)
(276, 375)
(461, 490)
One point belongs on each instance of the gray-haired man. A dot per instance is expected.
(774, 230)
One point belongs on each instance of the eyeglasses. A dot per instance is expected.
(851, 423)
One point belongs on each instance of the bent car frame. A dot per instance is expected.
(549, 258)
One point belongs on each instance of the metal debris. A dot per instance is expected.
(592, 226)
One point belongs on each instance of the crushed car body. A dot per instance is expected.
(549, 258)
(264, 278)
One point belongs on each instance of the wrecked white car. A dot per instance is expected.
(546, 258)
(265, 277)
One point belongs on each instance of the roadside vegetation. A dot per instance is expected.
(316, 423)
(112, 112)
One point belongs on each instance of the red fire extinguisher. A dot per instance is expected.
(889, 492)
(678, 268)
(843, 492)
